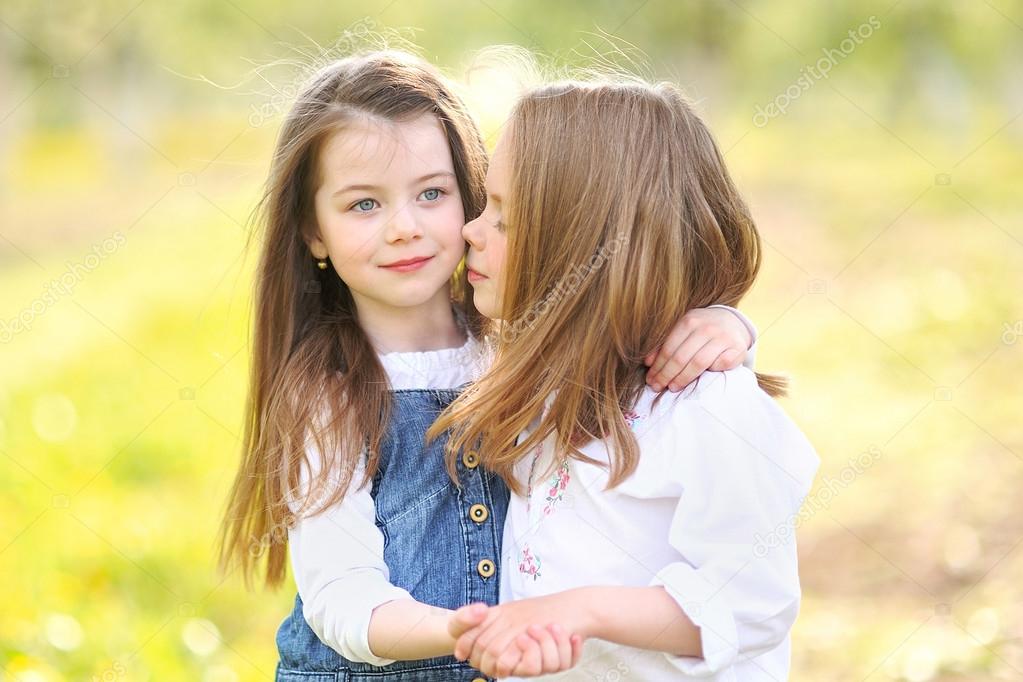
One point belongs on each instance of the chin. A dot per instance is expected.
(485, 305)
(410, 299)
(414, 293)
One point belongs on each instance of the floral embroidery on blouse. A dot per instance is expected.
(556, 488)
(631, 417)
(529, 564)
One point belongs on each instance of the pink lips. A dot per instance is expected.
(475, 276)
(408, 265)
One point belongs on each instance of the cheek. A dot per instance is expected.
(497, 248)
(448, 224)
(348, 241)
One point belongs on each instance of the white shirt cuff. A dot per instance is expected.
(719, 636)
(350, 636)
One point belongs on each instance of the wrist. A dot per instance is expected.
(586, 605)
(440, 636)
(405, 629)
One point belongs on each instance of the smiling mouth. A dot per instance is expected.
(408, 264)
(475, 276)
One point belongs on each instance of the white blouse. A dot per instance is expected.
(337, 556)
(708, 514)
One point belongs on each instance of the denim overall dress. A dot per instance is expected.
(442, 543)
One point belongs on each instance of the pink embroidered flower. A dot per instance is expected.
(556, 488)
(631, 417)
(529, 564)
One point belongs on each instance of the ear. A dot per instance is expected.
(317, 247)
(311, 235)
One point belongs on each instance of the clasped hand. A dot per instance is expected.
(517, 638)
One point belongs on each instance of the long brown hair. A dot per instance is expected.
(621, 217)
(315, 377)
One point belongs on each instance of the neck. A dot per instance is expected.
(428, 326)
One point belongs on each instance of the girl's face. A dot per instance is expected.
(389, 213)
(487, 238)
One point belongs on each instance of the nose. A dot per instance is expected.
(472, 233)
(403, 225)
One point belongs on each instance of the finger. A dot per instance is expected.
(482, 640)
(563, 645)
(476, 657)
(678, 359)
(465, 618)
(729, 359)
(507, 661)
(577, 649)
(700, 363)
(548, 648)
(676, 337)
(474, 661)
(531, 663)
(493, 650)
(465, 644)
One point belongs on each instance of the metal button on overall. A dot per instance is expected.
(485, 568)
(478, 513)
(470, 459)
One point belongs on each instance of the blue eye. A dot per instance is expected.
(365, 205)
(431, 194)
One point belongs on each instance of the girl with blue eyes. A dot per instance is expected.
(364, 332)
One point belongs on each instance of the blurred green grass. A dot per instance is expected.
(886, 293)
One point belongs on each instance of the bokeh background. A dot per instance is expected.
(134, 139)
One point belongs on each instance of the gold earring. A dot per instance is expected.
(321, 264)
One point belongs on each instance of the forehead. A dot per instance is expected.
(374, 148)
(497, 171)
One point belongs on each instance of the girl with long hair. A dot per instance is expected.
(656, 526)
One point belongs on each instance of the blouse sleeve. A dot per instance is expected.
(338, 560)
(745, 469)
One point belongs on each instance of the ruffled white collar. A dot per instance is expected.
(434, 369)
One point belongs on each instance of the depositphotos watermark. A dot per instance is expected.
(810, 74)
(74, 272)
(1012, 332)
(282, 98)
(821, 500)
(568, 285)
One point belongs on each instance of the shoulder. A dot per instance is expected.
(733, 396)
(725, 425)
(724, 394)
(735, 384)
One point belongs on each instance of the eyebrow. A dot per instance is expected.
(363, 188)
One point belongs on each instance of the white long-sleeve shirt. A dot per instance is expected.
(338, 556)
(708, 513)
